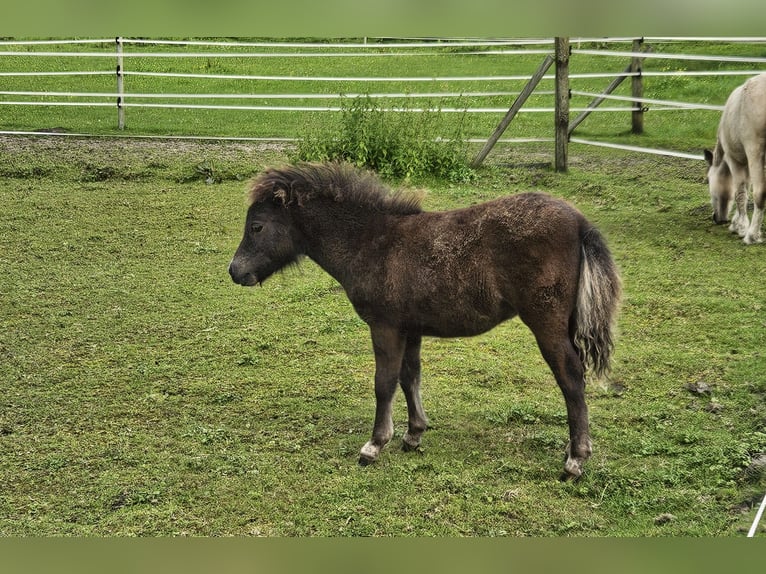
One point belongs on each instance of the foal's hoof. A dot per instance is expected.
(407, 447)
(364, 461)
(567, 477)
(572, 469)
(410, 443)
(368, 454)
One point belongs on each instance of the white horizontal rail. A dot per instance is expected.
(644, 101)
(267, 96)
(335, 78)
(610, 53)
(588, 75)
(128, 104)
(73, 104)
(713, 39)
(435, 43)
(127, 54)
(654, 151)
(376, 44)
(387, 43)
(42, 74)
(54, 42)
(662, 56)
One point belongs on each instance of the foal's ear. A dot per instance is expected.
(280, 196)
(708, 156)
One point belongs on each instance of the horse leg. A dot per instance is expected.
(755, 162)
(388, 346)
(409, 379)
(559, 352)
(740, 222)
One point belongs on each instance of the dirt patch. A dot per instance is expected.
(106, 158)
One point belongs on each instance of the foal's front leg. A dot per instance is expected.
(388, 345)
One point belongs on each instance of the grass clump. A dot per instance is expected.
(407, 144)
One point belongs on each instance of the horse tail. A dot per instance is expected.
(598, 298)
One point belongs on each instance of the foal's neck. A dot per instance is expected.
(339, 237)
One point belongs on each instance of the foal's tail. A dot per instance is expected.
(598, 298)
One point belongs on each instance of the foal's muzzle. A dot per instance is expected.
(244, 279)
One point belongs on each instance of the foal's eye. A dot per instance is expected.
(256, 228)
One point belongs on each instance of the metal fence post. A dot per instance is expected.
(637, 89)
(120, 86)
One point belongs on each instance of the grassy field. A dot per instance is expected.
(146, 394)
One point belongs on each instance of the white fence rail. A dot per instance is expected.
(126, 58)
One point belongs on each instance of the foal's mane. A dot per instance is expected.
(342, 182)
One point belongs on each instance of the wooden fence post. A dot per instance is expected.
(120, 87)
(637, 89)
(561, 119)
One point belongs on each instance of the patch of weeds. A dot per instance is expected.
(400, 145)
(128, 498)
(209, 436)
(202, 249)
(211, 172)
(26, 171)
(94, 173)
(206, 171)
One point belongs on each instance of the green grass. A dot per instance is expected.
(145, 394)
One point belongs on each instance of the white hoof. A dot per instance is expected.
(572, 469)
(368, 454)
(573, 464)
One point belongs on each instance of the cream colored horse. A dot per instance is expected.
(738, 159)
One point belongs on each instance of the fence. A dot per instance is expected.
(173, 88)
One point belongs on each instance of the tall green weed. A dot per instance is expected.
(403, 144)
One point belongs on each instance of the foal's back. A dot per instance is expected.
(461, 272)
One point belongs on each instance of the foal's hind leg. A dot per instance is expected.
(562, 357)
(388, 345)
(409, 379)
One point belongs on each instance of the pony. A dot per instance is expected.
(738, 159)
(411, 273)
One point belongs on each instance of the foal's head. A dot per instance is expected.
(271, 240)
(721, 185)
(270, 243)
